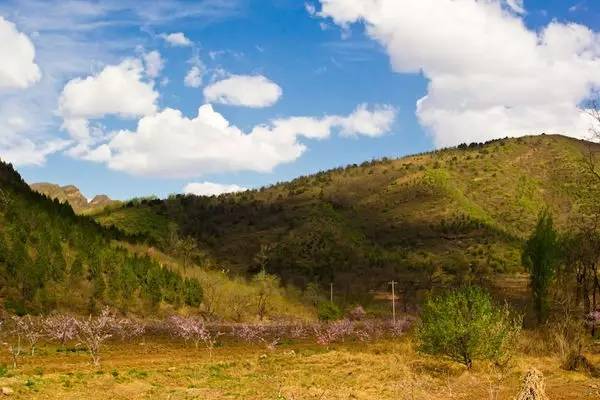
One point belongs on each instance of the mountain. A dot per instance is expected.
(72, 195)
(448, 216)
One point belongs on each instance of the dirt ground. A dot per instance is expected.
(161, 369)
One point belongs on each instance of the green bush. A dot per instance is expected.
(328, 311)
(465, 325)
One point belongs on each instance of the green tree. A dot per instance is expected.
(193, 292)
(465, 325)
(328, 311)
(540, 256)
(153, 285)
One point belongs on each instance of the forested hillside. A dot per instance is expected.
(449, 216)
(52, 259)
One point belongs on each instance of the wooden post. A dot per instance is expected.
(331, 292)
(393, 283)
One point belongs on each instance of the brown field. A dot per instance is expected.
(164, 369)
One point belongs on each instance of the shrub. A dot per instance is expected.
(328, 311)
(465, 325)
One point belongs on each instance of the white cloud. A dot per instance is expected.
(168, 144)
(194, 77)
(24, 151)
(368, 123)
(19, 143)
(244, 90)
(177, 39)
(211, 189)
(361, 121)
(18, 69)
(172, 145)
(118, 90)
(71, 38)
(154, 64)
(489, 75)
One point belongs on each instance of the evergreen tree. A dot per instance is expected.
(193, 292)
(153, 286)
(540, 257)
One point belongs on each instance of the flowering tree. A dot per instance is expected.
(94, 331)
(129, 328)
(592, 320)
(29, 328)
(298, 331)
(336, 331)
(399, 327)
(60, 328)
(270, 336)
(192, 329)
(250, 333)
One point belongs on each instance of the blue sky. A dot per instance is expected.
(488, 68)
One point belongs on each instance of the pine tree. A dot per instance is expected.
(193, 292)
(540, 257)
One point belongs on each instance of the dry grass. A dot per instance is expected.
(161, 369)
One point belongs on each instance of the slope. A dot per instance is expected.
(449, 216)
(52, 259)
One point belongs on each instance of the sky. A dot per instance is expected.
(135, 98)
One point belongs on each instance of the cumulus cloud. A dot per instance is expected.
(18, 69)
(254, 91)
(172, 145)
(194, 77)
(118, 90)
(169, 144)
(154, 64)
(366, 122)
(489, 75)
(211, 188)
(362, 121)
(177, 39)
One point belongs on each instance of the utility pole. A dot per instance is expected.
(393, 283)
(331, 292)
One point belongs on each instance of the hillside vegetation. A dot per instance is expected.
(449, 216)
(52, 259)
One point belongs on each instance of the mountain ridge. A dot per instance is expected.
(73, 196)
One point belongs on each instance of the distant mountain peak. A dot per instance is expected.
(72, 195)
